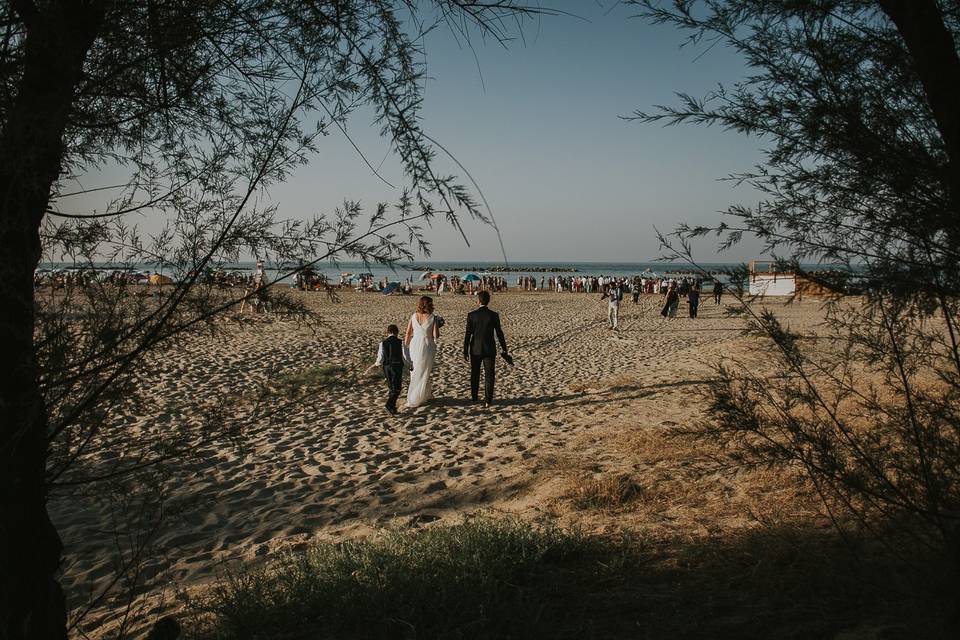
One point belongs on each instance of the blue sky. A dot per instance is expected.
(538, 124)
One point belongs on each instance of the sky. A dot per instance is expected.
(539, 126)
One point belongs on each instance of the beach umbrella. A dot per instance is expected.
(390, 288)
(425, 275)
(437, 276)
(470, 276)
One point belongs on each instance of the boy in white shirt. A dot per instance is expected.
(392, 355)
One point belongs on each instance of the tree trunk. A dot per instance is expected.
(31, 153)
(920, 24)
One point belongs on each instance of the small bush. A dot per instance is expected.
(604, 491)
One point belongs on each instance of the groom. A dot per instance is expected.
(479, 347)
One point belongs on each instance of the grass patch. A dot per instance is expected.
(313, 379)
(605, 491)
(486, 578)
(481, 578)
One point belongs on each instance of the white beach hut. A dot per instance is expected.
(766, 280)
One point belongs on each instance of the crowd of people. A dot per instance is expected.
(58, 278)
(674, 289)
(467, 285)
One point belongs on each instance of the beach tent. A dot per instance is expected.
(390, 288)
(437, 276)
(345, 274)
(159, 279)
(471, 277)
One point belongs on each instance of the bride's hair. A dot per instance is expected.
(425, 305)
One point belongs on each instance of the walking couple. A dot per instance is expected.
(419, 349)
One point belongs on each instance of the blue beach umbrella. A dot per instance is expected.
(470, 276)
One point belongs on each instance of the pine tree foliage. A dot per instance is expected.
(202, 105)
(852, 102)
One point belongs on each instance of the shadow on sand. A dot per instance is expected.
(575, 398)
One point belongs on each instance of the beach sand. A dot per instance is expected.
(582, 405)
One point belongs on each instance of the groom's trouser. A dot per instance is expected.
(488, 376)
(394, 375)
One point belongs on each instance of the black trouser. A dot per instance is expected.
(488, 376)
(716, 298)
(693, 309)
(394, 374)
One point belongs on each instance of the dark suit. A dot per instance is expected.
(393, 369)
(479, 345)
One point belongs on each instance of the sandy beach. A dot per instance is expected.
(582, 405)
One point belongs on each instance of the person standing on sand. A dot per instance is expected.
(259, 287)
(717, 291)
(671, 303)
(693, 299)
(421, 336)
(481, 350)
(613, 296)
(391, 357)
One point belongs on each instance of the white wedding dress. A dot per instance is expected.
(423, 350)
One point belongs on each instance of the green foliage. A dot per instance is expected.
(860, 167)
(856, 103)
(479, 578)
(312, 379)
(492, 578)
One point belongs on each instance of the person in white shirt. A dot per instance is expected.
(392, 355)
(613, 295)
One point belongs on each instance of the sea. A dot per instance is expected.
(349, 271)
(415, 271)
(514, 270)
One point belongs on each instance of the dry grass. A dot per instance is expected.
(556, 462)
(604, 491)
(671, 487)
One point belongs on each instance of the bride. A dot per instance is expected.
(421, 338)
